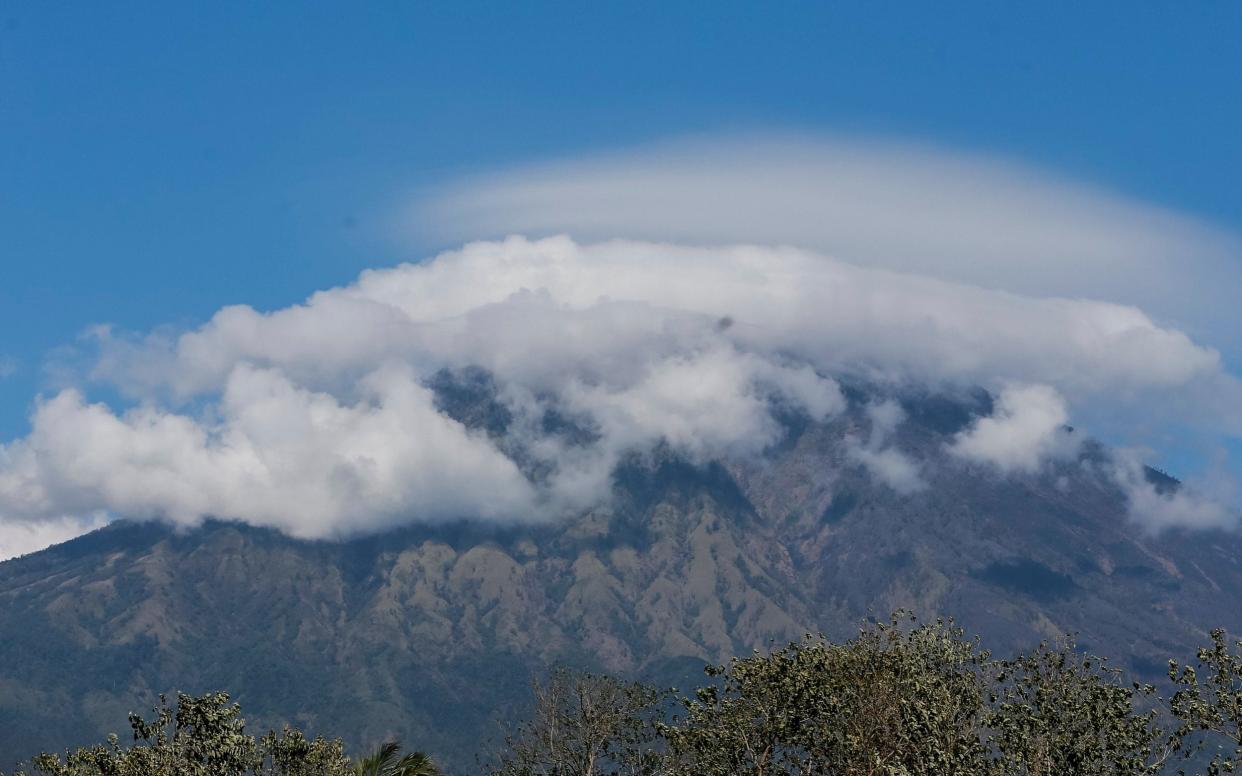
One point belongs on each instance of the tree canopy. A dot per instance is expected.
(206, 736)
(899, 699)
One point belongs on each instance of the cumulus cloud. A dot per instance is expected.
(1027, 428)
(277, 455)
(316, 418)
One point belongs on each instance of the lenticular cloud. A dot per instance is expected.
(318, 419)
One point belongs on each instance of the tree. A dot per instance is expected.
(290, 753)
(387, 762)
(203, 736)
(1212, 705)
(895, 700)
(900, 699)
(1056, 711)
(586, 725)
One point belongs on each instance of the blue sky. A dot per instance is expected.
(160, 160)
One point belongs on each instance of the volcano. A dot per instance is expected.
(432, 633)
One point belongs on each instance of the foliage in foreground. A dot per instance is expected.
(205, 736)
(900, 699)
(389, 761)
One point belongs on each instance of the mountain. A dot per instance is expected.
(432, 633)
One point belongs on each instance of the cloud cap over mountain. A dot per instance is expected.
(317, 418)
(700, 329)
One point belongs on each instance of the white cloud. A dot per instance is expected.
(22, 537)
(884, 461)
(1027, 428)
(895, 205)
(916, 265)
(1189, 505)
(8, 366)
(891, 467)
(546, 310)
(278, 455)
(314, 418)
(706, 405)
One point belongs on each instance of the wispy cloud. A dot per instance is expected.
(884, 461)
(897, 205)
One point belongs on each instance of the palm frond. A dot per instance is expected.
(416, 764)
(384, 762)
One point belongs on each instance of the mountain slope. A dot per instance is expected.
(433, 632)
